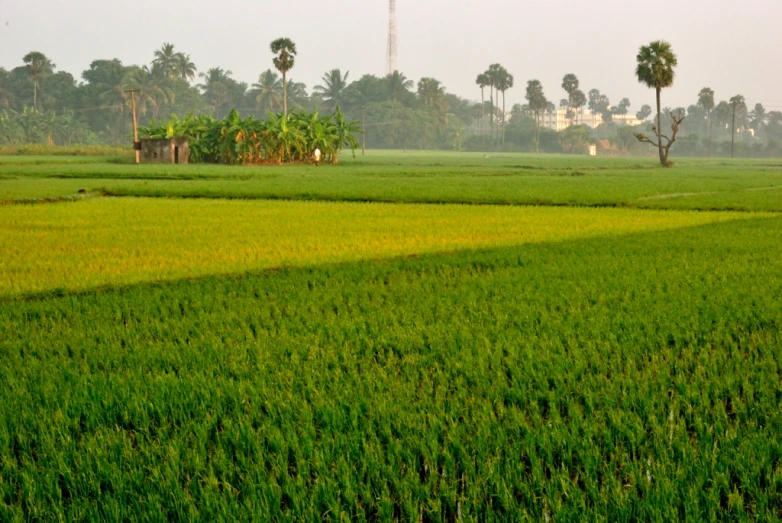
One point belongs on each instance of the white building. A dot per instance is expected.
(558, 120)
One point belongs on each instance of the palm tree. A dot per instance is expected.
(706, 102)
(268, 91)
(38, 66)
(505, 82)
(285, 51)
(297, 93)
(655, 69)
(186, 69)
(758, 116)
(153, 91)
(167, 60)
(482, 81)
(333, 89)
(216, 87)
(493, 73)
(430, 91)
(396, 85)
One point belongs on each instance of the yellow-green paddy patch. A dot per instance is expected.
(120, 241)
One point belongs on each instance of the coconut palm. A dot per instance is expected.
(285, 57)
(167, 60)
(397, 85)
(268, 91)
(297, 94)
(655, 69)
(185, 68)
(333, 89)
(216, 87)
(153, 90)
(430, 91)
(758, 118)
(38, 66)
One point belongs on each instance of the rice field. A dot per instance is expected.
(123, 241)
(266, 359)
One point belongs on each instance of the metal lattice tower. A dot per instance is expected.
(392, 63)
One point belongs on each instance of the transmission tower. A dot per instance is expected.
(391, 61)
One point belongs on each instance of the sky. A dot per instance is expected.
(732, 47)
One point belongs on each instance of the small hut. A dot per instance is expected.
(169, 150)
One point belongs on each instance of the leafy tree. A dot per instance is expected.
(38, 66)
(285, 58)
(644, 113)
(655, 69)
(333, 89)
(268, 91)
(706, 102)
(600, 104)
(537, 103)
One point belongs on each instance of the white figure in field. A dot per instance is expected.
(316, 156)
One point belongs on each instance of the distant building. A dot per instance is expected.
(558, 120)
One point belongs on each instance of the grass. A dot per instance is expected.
(311, 359)
(430, 178)
(633, 378)
(113, 241)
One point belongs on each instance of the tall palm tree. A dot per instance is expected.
(186, 69)
(38, 66)
(706, 102)
(505, 82)
(285, 57)
(333, 89)
(655, 69)
(167, 60)
(396, 85)
(268, 91)
(494, 73)
(482, 81)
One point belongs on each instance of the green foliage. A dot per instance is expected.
(247, 141)
(624, 379)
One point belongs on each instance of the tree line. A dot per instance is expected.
(39, 104)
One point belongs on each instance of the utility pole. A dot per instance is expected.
(364, 130)
(135, 123)
(733, 129)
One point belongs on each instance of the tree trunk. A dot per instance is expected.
(491, 116)
(35, 94)
(285, 95)
(483, 111)
(660, 131)
(503, 117)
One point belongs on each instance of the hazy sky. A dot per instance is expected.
(733, 47)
